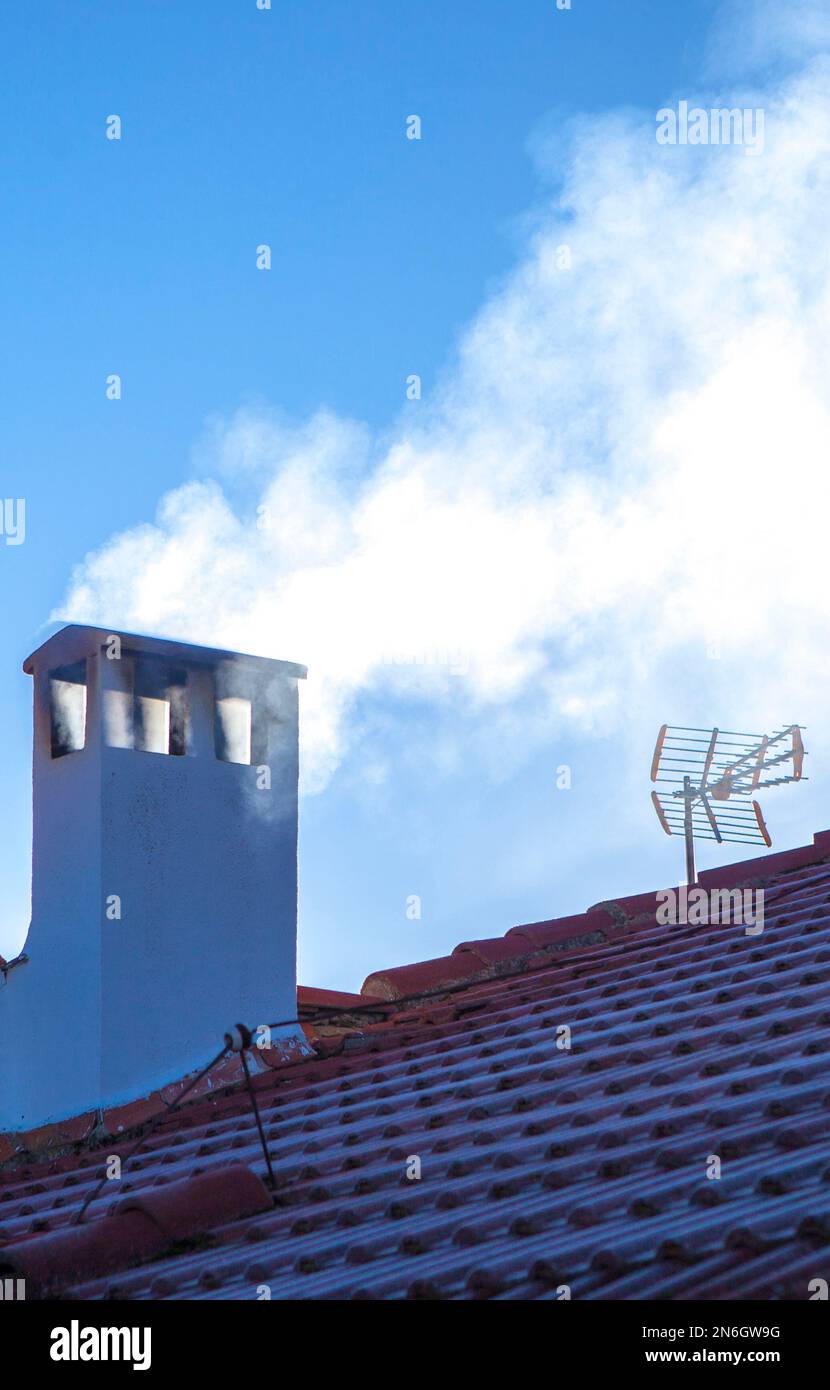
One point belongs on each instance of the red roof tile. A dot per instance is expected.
(427, 977)
(138, 1229)
(563, 933)
(308, 999)
(541, 1164)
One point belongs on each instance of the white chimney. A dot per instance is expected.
(164, 878)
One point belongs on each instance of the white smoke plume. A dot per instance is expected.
(616, 508)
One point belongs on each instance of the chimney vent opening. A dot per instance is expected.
(160, 709)
(152, 733)
(178, 718)
(67, 709)
(233, 730)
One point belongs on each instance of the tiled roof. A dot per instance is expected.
(541, 1165)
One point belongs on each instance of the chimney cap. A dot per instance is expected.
(76, 640)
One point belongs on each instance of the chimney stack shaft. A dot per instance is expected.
(164, 875)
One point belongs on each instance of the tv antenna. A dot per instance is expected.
(710, 777)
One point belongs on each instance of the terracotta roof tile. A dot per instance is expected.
(563, 1091)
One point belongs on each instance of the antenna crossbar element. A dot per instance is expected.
(710, 777)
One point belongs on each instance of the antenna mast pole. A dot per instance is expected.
(691, 876)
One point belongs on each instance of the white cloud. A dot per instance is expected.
(771, 34)
(628, 461)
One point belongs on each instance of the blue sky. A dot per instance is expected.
(390, 257)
